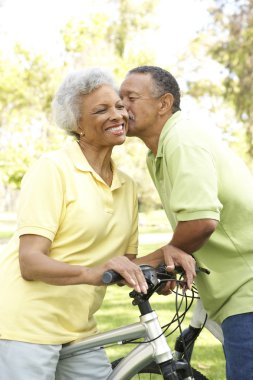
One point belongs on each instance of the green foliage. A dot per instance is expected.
(131, 18)
(228, 39)
(233, 49)
(110, 36)
(80, 36)
(27, 85)
(28, 82)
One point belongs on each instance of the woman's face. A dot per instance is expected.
(104, 118)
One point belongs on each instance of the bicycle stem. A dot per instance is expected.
(156, 338)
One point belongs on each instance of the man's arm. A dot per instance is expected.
(188, 237)
(192, 235)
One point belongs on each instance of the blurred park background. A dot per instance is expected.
(205, 44)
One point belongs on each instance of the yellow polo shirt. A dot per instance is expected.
(63, 198)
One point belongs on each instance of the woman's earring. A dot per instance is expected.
(81, 134)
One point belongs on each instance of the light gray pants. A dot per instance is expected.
(27, 361)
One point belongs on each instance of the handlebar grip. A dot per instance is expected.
(110, 277)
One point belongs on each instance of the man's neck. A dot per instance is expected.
(151, 140)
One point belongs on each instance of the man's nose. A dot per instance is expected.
(126, 103)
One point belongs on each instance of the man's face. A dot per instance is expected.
(136, 92)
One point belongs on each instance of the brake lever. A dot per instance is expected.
(180, 270)
(198, 269)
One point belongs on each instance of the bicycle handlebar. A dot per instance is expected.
(150, 273)
(111, 277)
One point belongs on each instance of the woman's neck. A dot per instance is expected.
(99, 159)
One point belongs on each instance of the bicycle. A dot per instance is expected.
(152, 354)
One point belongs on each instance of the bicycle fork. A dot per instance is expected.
(154, 348)
(162, 353)
(170, 369)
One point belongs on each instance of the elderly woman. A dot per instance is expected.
(77, 218)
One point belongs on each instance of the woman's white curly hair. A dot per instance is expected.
(68, 99)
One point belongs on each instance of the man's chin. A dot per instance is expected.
(130, 132)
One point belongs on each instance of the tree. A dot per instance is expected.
(234, 50)
(110, 36)
(27, 85)
(230, 43)
(131, 18)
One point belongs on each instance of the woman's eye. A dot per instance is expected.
(120, 107)
(100, 111)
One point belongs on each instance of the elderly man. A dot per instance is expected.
(207, 194)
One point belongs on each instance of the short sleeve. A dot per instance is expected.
(133, 241)
(194, 184)
(41, 200)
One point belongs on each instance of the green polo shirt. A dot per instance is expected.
(198, 177)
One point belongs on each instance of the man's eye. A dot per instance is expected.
(120, 106)
(132, 98)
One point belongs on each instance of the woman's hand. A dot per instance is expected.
(131, 273)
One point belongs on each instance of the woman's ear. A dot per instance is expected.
(166, 103)
(80, 130)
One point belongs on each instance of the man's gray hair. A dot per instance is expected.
(67, 101)
(164, 82)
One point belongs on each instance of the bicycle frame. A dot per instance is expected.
(198, 319)
(154, 348)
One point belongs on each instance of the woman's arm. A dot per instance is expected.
(36, 265)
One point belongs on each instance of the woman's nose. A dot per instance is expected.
(116, 114)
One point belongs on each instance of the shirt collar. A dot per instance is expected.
(81, 163)
(167, 126)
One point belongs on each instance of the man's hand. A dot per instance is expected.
(176, 257)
